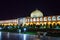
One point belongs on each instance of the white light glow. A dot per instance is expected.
(0, 36)
(19, 30)
(24, 29)
(24, 36)
(36, 13)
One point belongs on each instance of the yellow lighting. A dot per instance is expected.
(5, 24)
(31, 23)
(15, 24)
(37, 23)
(11, 24)
(8, 24)
(44, 22)
(27, 23)
(58, 22)
(49, 23)
(53, 23)
(2, 24)
(34, 22)
(41, 23)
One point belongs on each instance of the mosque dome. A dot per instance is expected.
(36, 13)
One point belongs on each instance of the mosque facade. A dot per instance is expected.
(36, 18)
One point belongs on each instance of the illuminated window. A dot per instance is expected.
(45, 22)
(45, 18)
(21, 20)
(54, 18)
(31, 23)
(28, 20)
(34, 19)
(58, 22)
(41, 19)
(37, 19)
(31, 20)
(49, 23)
(49, 18)
(37, 23)
(27, 23)
(58, 17)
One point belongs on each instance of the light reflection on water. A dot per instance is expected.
(0, 36)
(24, 37)
(8, 34)
(17, 36)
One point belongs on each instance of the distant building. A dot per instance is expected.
(9, 22)
(36, 18)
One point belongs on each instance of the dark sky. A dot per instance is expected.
(16, 9)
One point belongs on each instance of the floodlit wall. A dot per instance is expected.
(21, 21)
(43, 20)
(9, 22)
(30, 21)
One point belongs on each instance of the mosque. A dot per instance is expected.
(36, 17)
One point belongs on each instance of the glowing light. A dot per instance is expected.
(24, 29)
(58, 22)
(27, 23)
(34, 19)
(37, 19)
(2, 24)
(36, 13)
(45, 18)
(9, 24)
(49, 23)
(0, 36)
(37, 23)
(15, 24)
(5, 24)
(44, 22)
(53, 23)
(24, 37)
(41, 23)
(19, 30)
(31, 23)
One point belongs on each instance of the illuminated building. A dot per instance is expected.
(36, 18)
(9, 22)
(43, 20)
(36, 13)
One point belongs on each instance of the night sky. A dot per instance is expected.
(23, 8)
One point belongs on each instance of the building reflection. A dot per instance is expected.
(0, 36)
(24, 37)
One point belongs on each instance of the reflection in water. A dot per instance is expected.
(8, 34)
(24, 36)
(17, 36)
(0, 36)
